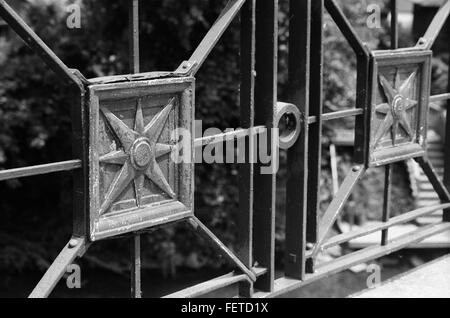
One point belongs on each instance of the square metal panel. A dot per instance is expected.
(399, 105)
(134, 183)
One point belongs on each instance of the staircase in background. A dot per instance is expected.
(421, 187)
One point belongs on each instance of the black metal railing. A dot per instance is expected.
(306, 234)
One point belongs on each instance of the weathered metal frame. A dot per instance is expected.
(417, 147)
(357, 172)
(306, 235)
(102, 227)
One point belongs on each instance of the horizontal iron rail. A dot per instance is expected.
(214, 284)
(36, 43)
(337, 115)
(40, 169)
(220, 138)
(439, 98)
(401, 219)
(243, 133)
(285, 285)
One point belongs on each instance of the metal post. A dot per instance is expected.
(389, 168)
(297, 182)
(265, 100)
(136, 291)
(246, 170)
(315, 132)
(447, 147)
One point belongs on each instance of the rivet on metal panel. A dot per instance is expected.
(186, 68)
(357, 168)
(309, 246)
(73, 243)
(422, 41)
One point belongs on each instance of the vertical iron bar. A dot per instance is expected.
(394, 24)
(136, 291)
(265, 101)
(387, 202)
(246, 170)
(389, 168)
(315, 133)
(134, 36)
(80, 150)
(447, 144)
(297, 181)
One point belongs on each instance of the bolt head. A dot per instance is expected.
(73, 243)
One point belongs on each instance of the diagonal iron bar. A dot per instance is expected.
(336, 206)
(212, 37)
(203, 231)
(74, 249)
(346, 28)
(36, 43)
(435, 27)
(437, 184)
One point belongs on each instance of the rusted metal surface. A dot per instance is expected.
(130, 189)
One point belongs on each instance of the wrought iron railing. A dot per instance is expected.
(393, 97)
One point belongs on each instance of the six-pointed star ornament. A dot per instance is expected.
(397, 107)
(140, 149)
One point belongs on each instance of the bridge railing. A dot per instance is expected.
(307, 235)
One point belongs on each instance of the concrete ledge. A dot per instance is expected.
(431, 280)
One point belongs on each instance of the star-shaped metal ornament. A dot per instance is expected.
(396, 109)
(134, 128)
(400, 85)
(138, 156)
